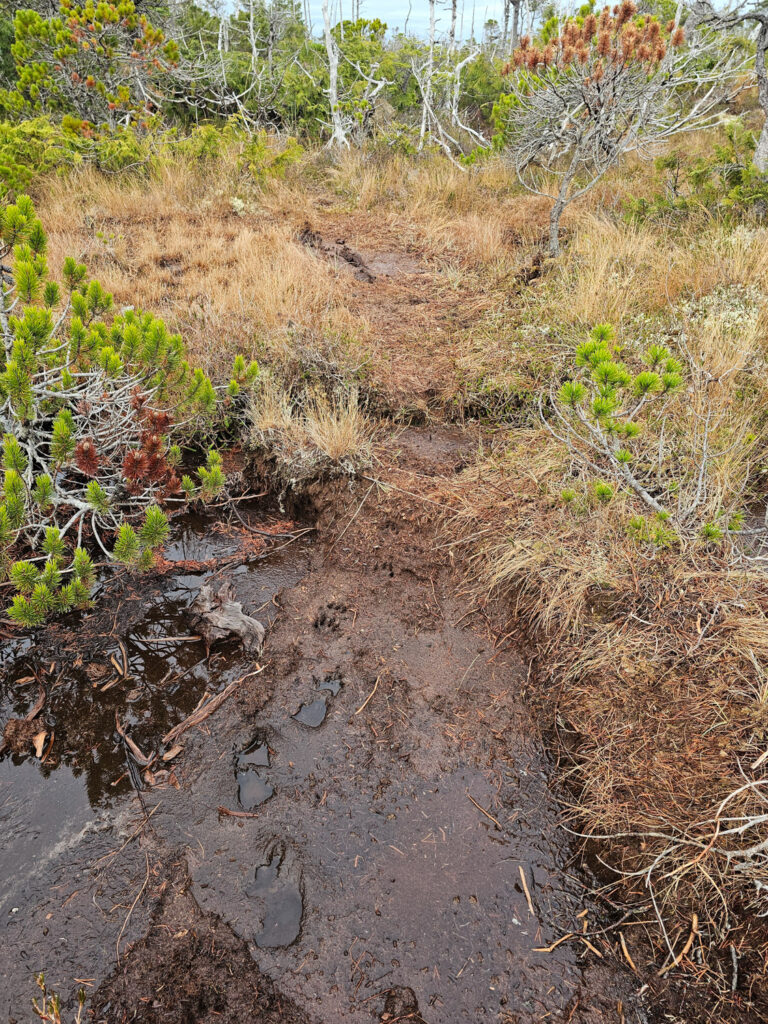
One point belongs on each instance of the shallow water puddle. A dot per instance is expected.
(361, 842)
(252, 787)
(313, 714)
(252, 790)
(62, 894)
(354, 878)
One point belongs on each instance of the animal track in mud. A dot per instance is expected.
(387, 567)
(277, 892)
(256, 754)
(327, 619)
(312, 713)
(252, 788)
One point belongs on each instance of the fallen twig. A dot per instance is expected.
(625, 951)
(683, 952)
(37, 708)
(589, 946)
(237, 814)
(548, 949)
(128, 915)
(486, 813)
(526, 890)
(139, 755)
(368, 698)
(167, 639)
(200, 714)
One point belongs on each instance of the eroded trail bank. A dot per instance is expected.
(395, 850)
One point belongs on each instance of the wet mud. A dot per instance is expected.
(66, 881)
(364, 832)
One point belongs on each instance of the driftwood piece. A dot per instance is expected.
(218, 617)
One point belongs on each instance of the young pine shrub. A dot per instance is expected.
(94, 408)
(602, 411)
(677, 440)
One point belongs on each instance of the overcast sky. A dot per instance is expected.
(395, 12)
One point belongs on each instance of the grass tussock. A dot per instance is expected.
(652, 680)
(619, 271)
(314, 438)
(652, 640)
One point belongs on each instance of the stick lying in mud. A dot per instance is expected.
(128, 917)
(237, 814)
(548, 949)
(368, 698)
(625, 951)
(200, 714)
(137, 752)
(489, 816)
(526, 889)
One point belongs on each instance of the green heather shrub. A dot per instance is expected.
(32, 148)
(94, 410)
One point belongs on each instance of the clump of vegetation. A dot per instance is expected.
(48, 1006)
(725, 181)
(92, 411)
(602, 87)
(621, 529)
(37, 146)
(598, 414)
(311, 437)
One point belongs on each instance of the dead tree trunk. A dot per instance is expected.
(761, 152)
(338, 135)
(430, 71)
(516, 5)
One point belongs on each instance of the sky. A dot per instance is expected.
(395, 12)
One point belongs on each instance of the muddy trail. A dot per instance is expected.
(364, 831)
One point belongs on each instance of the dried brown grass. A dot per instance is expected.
(479, 215)
(314, 438)
(653, 662)
(613, 270)
(653, 665)
(230, 279)
(651, 682)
